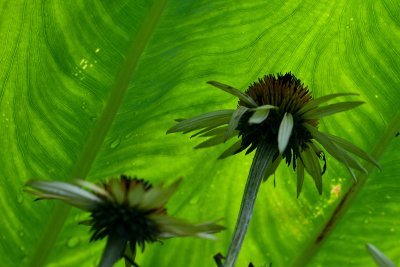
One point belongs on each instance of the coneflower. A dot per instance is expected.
(128, 211)
(278, 117)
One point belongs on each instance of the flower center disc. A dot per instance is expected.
(288, 94)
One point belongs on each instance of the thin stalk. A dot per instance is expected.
(114, 250)
(264, 154)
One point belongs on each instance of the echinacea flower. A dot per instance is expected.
(280, 111)
(277, 117)
(128, 211)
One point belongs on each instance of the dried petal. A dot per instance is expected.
(66, 192)
(318, 101)
(211, 119)
(300, 177)
(331, 109)
(353, 149)
(311, 163)
(216, 140)
(233, 123)
(233, 91)
(231, 150)
(271, 168)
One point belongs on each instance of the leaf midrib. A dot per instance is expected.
(92, 147)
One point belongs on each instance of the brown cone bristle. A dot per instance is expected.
(288, 94)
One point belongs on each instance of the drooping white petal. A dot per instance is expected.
(324, 111)
(216, 140)
(208, 120)
(229, 89)
(215, 131)
(300, 176)
(271, 168)
(231, 150)
(135, 194)
(336, 151)
(311, 164)
(260, 114)
(205, 131)
(233, 123)
(285, 131)
(172, 227)
(348, 146)
(118, 190)
(318, 101)
(157, 196)
(94, 188)
(62, 189)
(67, 192)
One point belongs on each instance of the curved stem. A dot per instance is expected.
(264, 154)
(114, 250)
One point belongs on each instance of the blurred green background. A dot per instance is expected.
(59, 67)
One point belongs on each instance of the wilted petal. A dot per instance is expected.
(233, 123)
(300, 176)
(211, 119)
(66, 192)
(353, 149)
(204, 131)
(317, 101)
(214, 131)
(231, 150)
(135, 194)
(113, 251)
(337, 152)
(233, 91)
(130, 253)
(271, 168)
(216, 140)
(352, 162)
(94, 188)
(151, 199)
(260, 114)
(172, 227)
(311, 163)
(330, 109)
(157, 196)
(118, 190)
(285, 131)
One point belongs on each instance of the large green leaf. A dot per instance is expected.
(88, 89)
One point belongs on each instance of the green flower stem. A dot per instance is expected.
(264, 154)
(114, 250)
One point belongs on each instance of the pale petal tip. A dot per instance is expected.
(259, 116)
(285, 131)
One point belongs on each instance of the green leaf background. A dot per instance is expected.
(65, 66)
